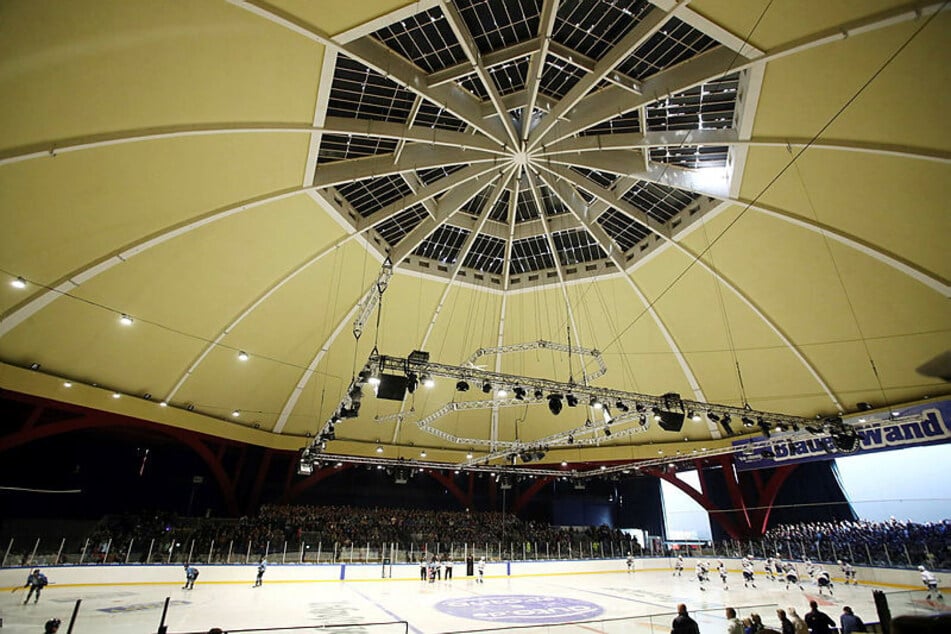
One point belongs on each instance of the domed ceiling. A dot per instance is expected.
(744, 203)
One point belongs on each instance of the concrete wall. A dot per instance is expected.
(301, 573)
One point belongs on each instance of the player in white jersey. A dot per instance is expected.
(928, 578)
(768, 567)
(679, 566)
(721, 568)
(630, 563)
(848, 571)
(824, 581)
(747, 573)
(811, 568)
(701, 573)
(792, 576)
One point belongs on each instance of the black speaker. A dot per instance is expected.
(671, 421)
(392, 387)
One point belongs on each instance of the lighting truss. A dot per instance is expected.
(542, 344)
(631, 419)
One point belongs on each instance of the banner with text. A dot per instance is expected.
(934, 427)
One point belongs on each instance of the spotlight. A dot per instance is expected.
(527, 456)
(713, 416)
(607, 432)
(539, 395)
(469, 456)
(621, 407)
(564, 464)
(125, 320)
(356, 392)
(67, 384)
(379, 448)
(19, 283)
(725, 423)
(694, 416)
(595, 403)
(643, 419)
(412, 381)
(747, 421)
(572, 400)
(656, 411)
(571, 440)
(502, 393)
(242, 355)
(163, 404)
(519, 393)
(486, 387)
(236, 413)
(116, 395)
(764, 426)
(639, 407)
(34, 366)
(462, 386)
(428, 381)
(422, 454)
(147, 396)
(554, 404)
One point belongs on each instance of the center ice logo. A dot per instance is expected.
(521, 608)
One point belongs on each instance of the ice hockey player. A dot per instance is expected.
(702, 571)
(927, 578)
(721, 568)
(824, 581)
(191, 573)
(36, 581)
(768, 567)
(630, 563)
(848, 571)
(679, 566)
(748, 573)
(792, 576)
(480, 567)
(811, 568)
(262, 567)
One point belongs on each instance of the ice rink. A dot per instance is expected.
(530, 603)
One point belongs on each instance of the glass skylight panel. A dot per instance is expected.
(629, 122)
(624, 231)
(372, 194)
(443, 244)
(661, 202)
(360, 93)
(500, 212)
(395, 229)
(693, 157)
(552, 204)
(604, 179)
(525, 208)
(592, 27)
(432, 175)
(337, 147)
(509, 77)
(558, 77)
(496, 24)
(676, 42)
(710, 106)
(531, 254)
(487, 254)
(432, 116)
(576, 246)
(473, 84)
(426, 39)
(476, 204)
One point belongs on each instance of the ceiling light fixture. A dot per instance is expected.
(116, 395)
(125, 320)
(243, 356)
(19, 283)
(67, 384)
(236, 413)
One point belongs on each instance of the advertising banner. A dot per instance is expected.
(933, 427)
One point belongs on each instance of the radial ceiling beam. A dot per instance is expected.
(628, 209)
(495, 58)
(536, 194)
(546, 23)
(469, 47)
(613, 101)
(425, 193)
(729, 137)
(516, 100)
(378, 57)
(415, 157)
(587, 64)
(445, 208)
(572, 200)
(642, 31)
(499, 187)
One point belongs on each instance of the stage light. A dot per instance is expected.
(462, 386)
(236, 413)
(595, 403)
(764, 426)
(539, 395)
(428, 381)
(571, 439)
(486, 387)
(748, 422)
(607, 432)
(554, 404)
(713, 416)
(502, 393)
(519, 393)
(125, 320)
(242, 355)
(621, 406)
(412, 381)
(572, 400)
(469, 456)
(379, 448)
(18, 283)
(694, 416)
